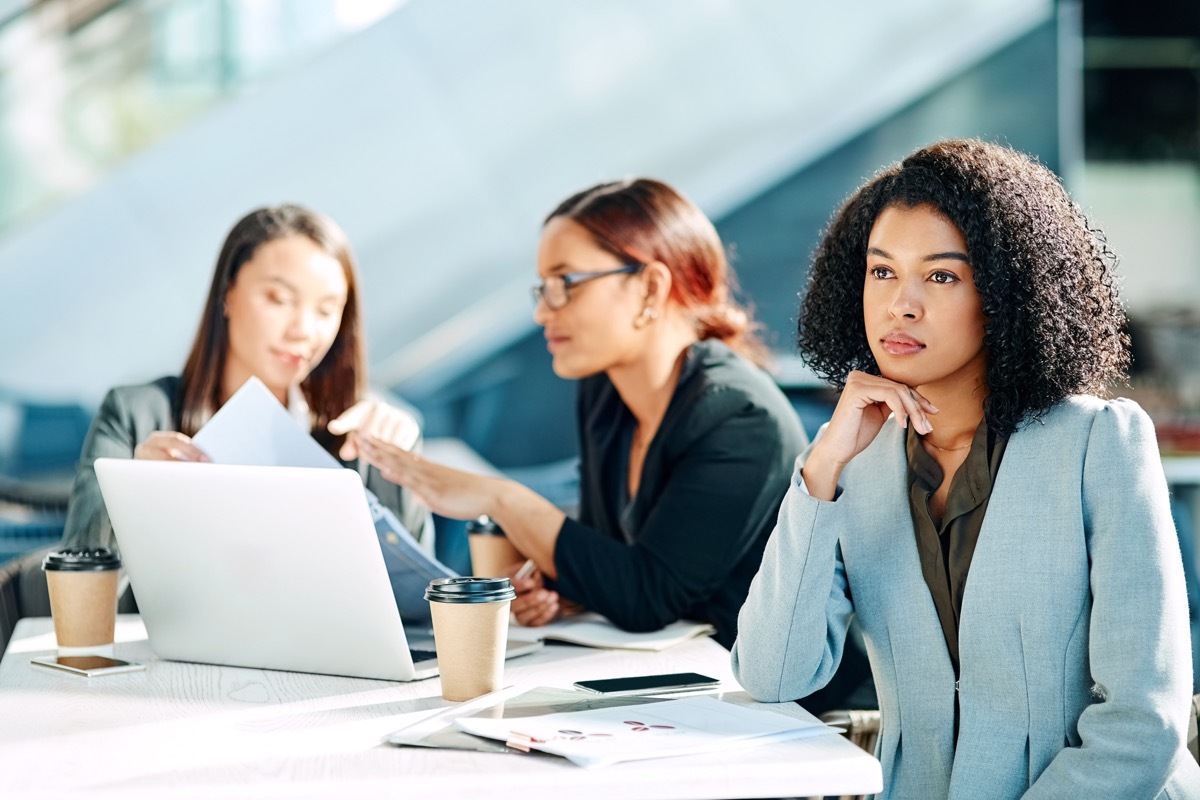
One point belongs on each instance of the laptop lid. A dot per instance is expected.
(267, 567)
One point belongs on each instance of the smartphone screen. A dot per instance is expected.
(649, 684)
(89, 666)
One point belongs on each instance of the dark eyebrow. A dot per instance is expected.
(952, 255)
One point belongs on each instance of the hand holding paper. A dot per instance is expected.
(253, 429)
(169, 446)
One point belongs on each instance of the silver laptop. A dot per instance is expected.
(266, 567)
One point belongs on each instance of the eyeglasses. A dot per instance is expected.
(555, 291)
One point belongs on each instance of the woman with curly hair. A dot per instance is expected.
(1001, 533)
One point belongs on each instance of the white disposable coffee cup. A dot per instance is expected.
(470, 632)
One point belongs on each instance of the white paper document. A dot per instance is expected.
(511, 703)
(593, 630)
(255, 430)
(605, 736)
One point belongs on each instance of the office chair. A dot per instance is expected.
(32, 514)
(23, 592)
(862, 729)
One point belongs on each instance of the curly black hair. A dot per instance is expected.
(1054, 324)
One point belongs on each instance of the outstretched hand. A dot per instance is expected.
(446, 491)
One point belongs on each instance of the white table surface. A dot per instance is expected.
(180, 730)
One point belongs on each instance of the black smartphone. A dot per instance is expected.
(649, 684)
(87, 666)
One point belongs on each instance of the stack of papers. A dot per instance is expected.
(604, 736)
(593, 630)
(512, 703)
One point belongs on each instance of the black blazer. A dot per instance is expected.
(711, 486)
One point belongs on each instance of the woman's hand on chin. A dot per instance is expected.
(377, 420)
(864, 406)
(169, 446)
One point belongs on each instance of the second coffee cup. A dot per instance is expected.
(491, 552)
(83, 596)
(470, 633)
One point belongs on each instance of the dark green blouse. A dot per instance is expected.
(946, 550)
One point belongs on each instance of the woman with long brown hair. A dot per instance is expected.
(283, 307)
(687, 444)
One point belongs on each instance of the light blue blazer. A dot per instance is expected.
(1075, 655)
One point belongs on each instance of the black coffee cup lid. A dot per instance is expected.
(469, 590)
(82, 559)
(484, 525)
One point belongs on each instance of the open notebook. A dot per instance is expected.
(593, 630)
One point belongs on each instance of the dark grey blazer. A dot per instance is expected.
(131, 413)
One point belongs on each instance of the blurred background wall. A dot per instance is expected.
(133, 133)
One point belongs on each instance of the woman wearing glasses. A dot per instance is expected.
(687, 445)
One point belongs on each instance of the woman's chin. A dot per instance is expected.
(907, 373)
(907, 377)
(280, 382)
(570, 369)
